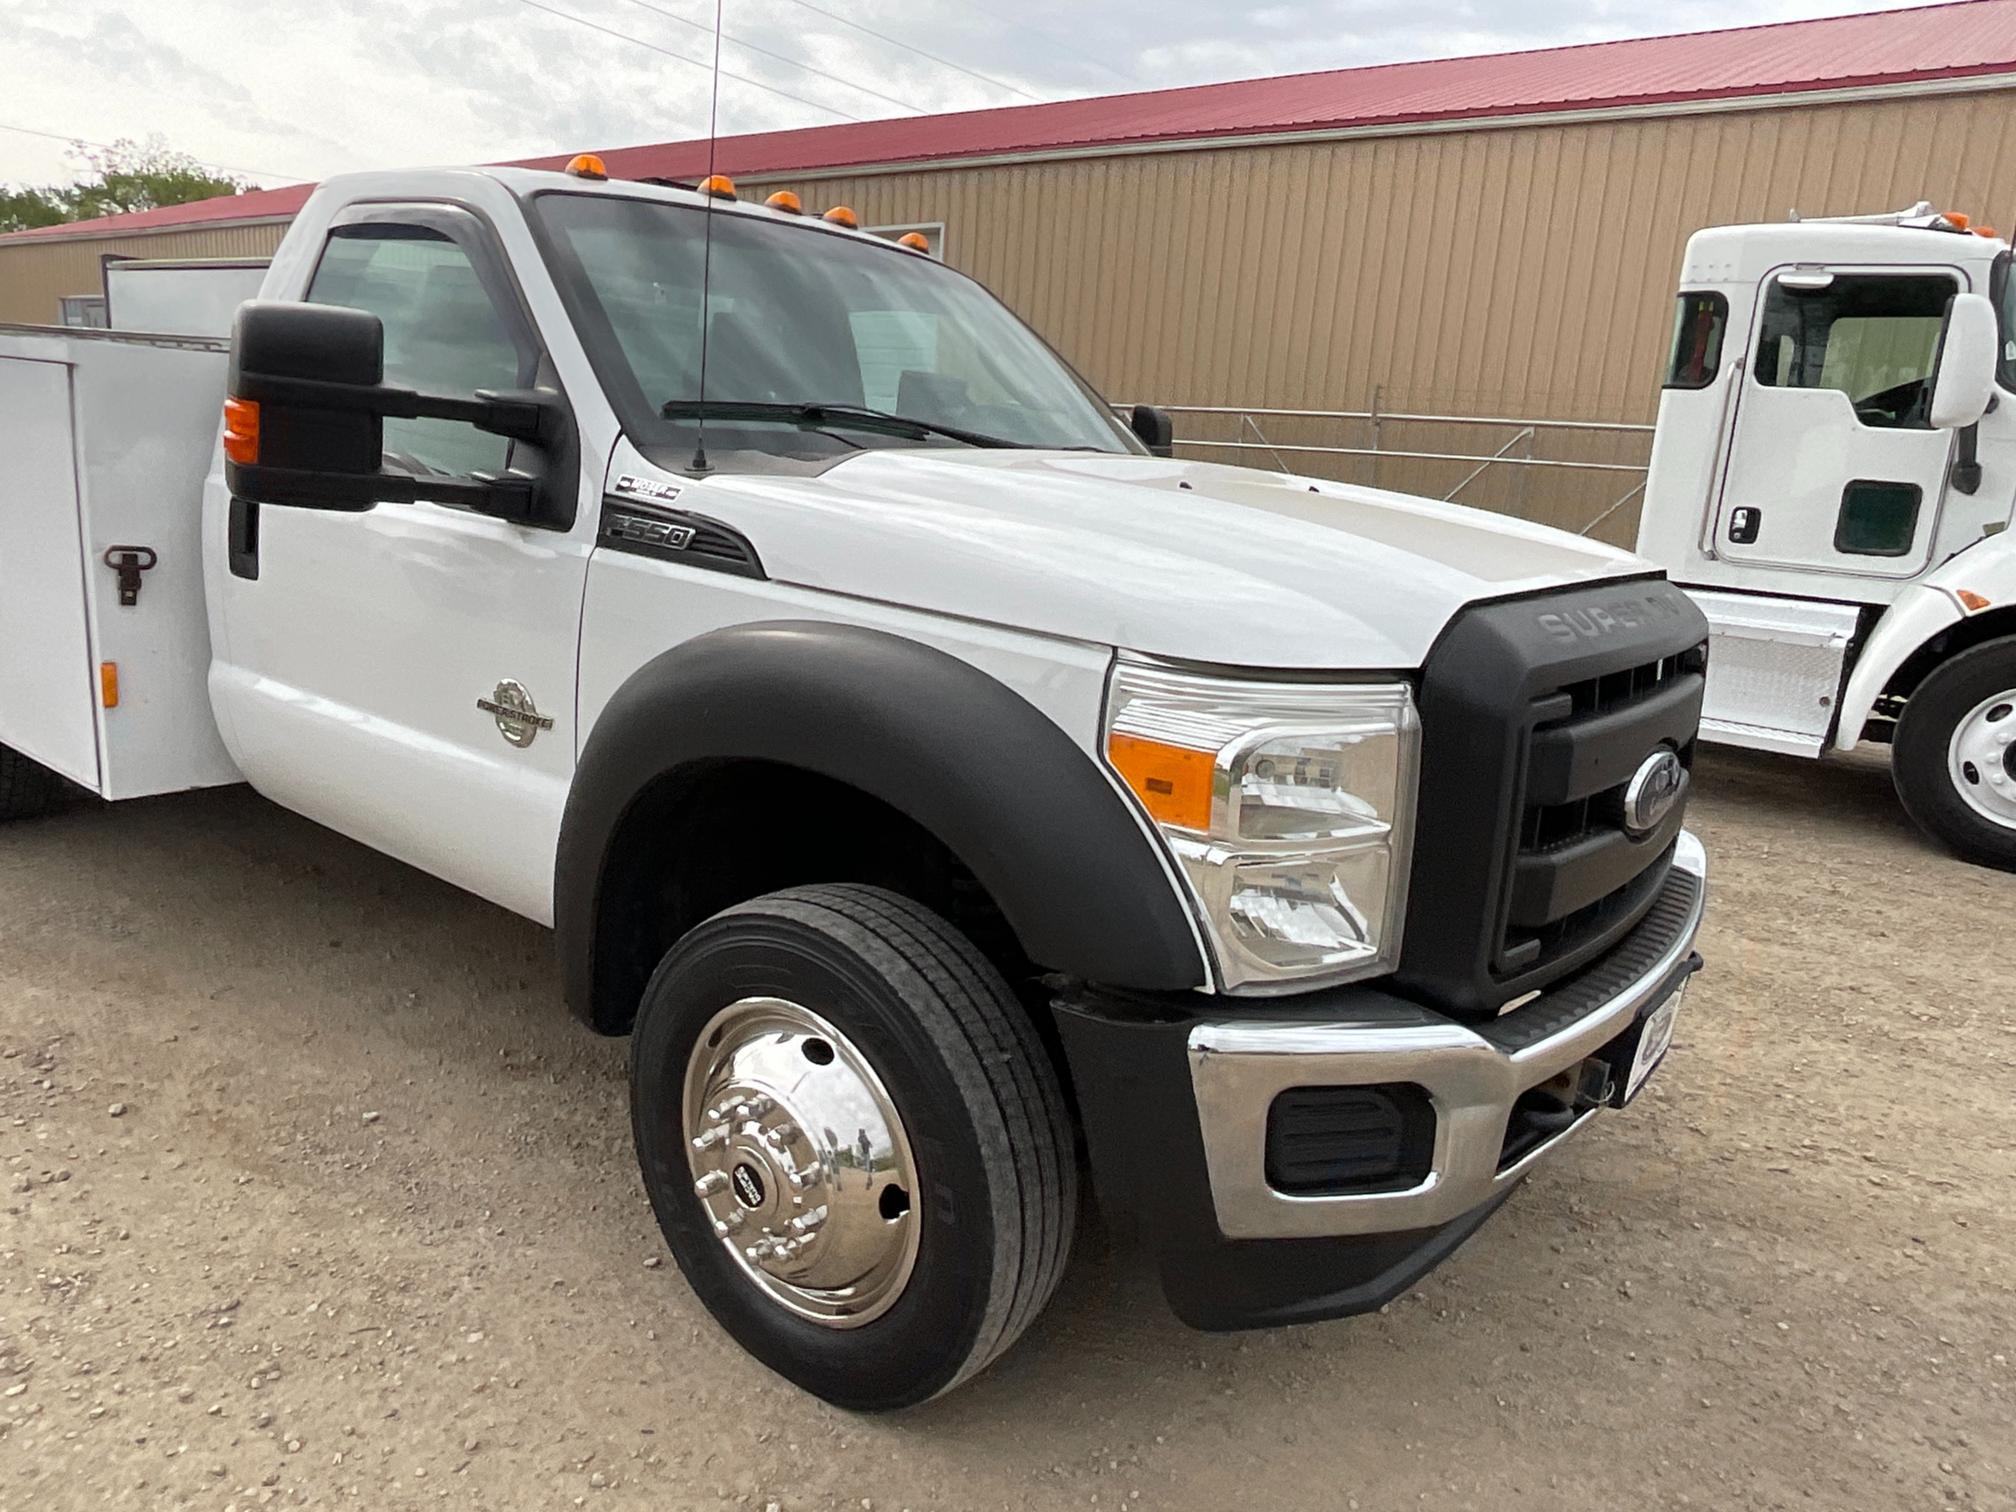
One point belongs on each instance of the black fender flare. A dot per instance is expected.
(982, 769)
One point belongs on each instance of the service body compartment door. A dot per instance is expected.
(1834, 466)
(148, 412)
(46, 677)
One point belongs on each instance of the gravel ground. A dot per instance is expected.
(312, 1193)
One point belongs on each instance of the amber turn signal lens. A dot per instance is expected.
(718, 186)
(916, 241)
(108, 684)
(241, 430)
(1172, 782)
(840, 215)
(587, 165)
(1975, 602)
(786, 201)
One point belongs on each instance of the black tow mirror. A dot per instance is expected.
(1156, 430)
(304, 420)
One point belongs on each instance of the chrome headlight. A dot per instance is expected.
(1289, 808)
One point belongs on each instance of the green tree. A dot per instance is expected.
(126, 175)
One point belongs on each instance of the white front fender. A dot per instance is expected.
(1985, 573)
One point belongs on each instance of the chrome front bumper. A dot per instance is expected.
(1239, 1066)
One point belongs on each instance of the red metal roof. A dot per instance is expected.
(1951, 41)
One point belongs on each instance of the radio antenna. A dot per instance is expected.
(700, 464)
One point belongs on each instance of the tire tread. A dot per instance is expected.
(28, 789)
(982, 1014)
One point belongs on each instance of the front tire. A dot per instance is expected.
(28, 790)
(853, 1141)
(1954, 757)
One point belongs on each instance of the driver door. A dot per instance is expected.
(1834, 466)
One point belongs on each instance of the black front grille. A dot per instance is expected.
(1577, 874)
(1535, 714)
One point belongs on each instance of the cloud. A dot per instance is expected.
(304, 88)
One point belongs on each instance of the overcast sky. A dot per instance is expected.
(298, 89)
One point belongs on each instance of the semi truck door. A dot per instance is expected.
(406, 675)
(1833, 465)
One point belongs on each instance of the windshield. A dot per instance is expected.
(802, 319)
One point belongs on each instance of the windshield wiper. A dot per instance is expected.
(853, 416)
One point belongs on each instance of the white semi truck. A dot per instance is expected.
(926, 770)
(1832, 478)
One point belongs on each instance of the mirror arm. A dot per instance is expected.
(519, 414)
(1966, 474)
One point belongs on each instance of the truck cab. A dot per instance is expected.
(930, 777)
(1832, 476)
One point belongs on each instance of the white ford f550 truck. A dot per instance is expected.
(927, 773)
(1832, 476)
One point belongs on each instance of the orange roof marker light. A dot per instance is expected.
(718, 186)
(786, 201)
(587, 165)
(241, 431)
(916, 241)
(1956, 220)
(840, 215)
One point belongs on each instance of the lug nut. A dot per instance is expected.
(781, 1132)
(804, 1223)
(723, 1227)
(709, 1138)
(709, 1184)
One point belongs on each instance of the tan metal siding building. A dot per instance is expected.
(1509, 266)
(1516, 272)
(36, 276)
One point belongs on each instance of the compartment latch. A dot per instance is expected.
(129, 562)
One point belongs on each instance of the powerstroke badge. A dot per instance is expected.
(633, 487)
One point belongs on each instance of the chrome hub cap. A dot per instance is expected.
(1982, 759)
(801, 1161)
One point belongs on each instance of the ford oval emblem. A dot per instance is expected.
(1653, 790)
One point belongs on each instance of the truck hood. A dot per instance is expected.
(1189, 560)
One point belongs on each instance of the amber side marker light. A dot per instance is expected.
(1973, 601)
(916, 241)
(587, 165)
(241, 431)
(840, 215)
(108, 684)
(718, 186)
(786, 201)
(1172, 782)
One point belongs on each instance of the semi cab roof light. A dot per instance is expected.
(587, 165)
(718, 186)
(840, 215)
(786, 201)
(916, 241)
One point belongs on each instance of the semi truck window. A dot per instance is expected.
(442, 335)
(1870, 336)
(1699, 321)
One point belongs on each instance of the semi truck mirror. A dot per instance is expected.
(1156, 430)
(1963, 375)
